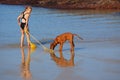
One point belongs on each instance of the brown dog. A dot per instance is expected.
(63, 38)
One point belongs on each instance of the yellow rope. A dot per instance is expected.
(45, 48)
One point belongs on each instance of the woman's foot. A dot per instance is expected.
(21, 46)
(29, 45)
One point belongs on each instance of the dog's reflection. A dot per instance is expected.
(61, 61)
(25, 64)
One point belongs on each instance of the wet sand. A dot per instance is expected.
(90, 61)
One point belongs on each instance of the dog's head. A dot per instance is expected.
(52, 45)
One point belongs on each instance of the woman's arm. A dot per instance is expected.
(27, 19)
(18, 19)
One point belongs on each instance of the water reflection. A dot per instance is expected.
(25, 64)
(61, 61)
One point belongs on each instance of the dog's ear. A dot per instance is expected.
(52, 45)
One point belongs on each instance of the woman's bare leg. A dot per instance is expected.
(28, 39)
(22, 39)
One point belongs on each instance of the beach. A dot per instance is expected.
(97, 57)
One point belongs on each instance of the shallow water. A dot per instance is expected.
(97, 57)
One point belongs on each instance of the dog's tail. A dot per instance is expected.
(78, 36)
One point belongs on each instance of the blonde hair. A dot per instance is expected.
(28, 7)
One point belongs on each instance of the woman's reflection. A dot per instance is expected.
(25, 65)
(61, 61)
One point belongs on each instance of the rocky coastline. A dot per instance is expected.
(67, 4)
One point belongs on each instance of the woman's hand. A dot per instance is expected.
(19, 23)
(26, 30)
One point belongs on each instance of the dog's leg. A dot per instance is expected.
(72, 45)
(61, 46)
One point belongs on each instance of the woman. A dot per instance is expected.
(23, 19)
